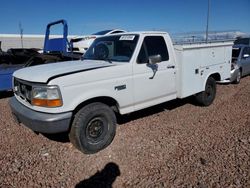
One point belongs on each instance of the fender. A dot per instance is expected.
(212, 73)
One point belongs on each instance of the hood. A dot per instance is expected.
(43, 73)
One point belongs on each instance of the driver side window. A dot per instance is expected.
(152, 45)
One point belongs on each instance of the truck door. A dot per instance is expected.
(153, 83)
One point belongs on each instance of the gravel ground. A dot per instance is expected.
(176, 144)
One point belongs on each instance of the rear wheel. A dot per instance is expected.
(207, 97)
(93, 128)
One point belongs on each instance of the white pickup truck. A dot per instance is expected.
(119, 74)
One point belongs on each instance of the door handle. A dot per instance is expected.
(170, 66)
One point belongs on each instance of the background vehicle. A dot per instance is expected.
(55, 50)
(119, 73)
(81, 44)
(11, 61)
(240, 63)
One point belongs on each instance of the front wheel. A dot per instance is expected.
(205, 98)
(93, 128)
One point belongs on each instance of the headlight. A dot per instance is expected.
(46, 96)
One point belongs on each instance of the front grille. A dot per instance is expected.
(22, 89)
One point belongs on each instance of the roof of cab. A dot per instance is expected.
(145, 32)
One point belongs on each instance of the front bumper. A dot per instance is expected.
(234, 74)
(39, 121)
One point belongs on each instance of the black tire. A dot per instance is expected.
(101, 51)
(93, 128)
(207, 97)
(238, 78)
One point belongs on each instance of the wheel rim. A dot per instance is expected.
(95, 128)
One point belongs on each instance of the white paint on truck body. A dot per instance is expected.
(196, 62)
(183, 74)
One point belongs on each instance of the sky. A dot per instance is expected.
(86, 17)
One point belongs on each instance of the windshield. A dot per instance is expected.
(113, 48)
(236, 52)
(245, 41)
(102, 32)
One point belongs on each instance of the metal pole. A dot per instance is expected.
(208, 10)
(21, 33)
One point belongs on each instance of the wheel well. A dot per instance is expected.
(215, 76)
(105, 100)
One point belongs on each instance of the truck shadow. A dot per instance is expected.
(104, 178)
(167, 106)
(59, 137)
(5, 94)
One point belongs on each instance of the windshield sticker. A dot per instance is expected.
(127, 37)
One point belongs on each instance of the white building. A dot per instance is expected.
(27, 41)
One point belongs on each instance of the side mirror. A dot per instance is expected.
(246, 56)
(153, 59)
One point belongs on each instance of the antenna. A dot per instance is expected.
(21, 33)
